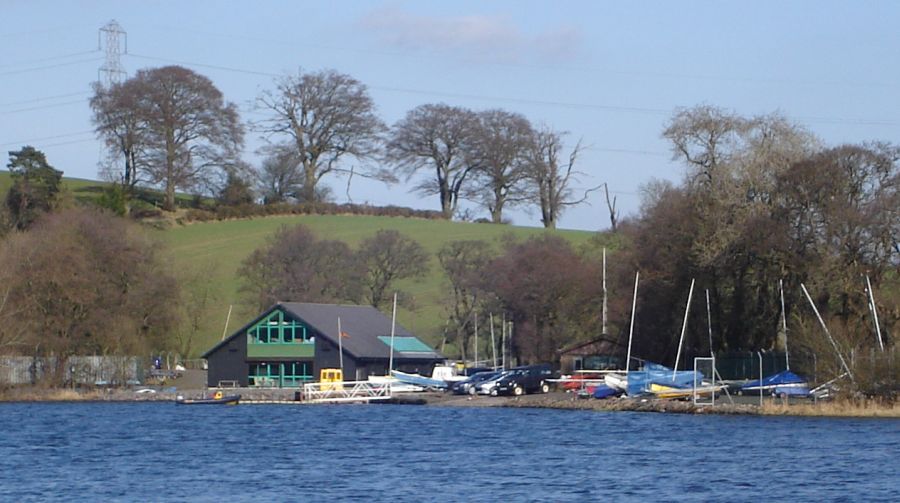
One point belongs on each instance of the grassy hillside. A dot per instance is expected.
(213, 252)
(216, 249)
(76, 188)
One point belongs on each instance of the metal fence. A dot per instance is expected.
(78, 370)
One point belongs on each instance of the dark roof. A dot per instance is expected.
(603, 343)
(363, 326)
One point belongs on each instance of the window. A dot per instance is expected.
(279, 374)
(277, 329)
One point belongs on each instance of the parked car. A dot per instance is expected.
(468, 386)
(486, 387)
(521, 380)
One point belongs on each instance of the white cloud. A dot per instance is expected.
(480, 37)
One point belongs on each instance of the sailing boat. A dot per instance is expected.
(785, 383)
(617, 381)
(682, 384)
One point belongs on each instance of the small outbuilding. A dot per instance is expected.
(288, 344)
(600, 353)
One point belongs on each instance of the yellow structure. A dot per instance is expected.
(331, 379)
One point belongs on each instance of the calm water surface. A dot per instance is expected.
(160, 452)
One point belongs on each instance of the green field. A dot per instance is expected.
(213, 251)
(78, 188)
(216, 250)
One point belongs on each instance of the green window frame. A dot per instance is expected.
(277, 329)
(279, 374)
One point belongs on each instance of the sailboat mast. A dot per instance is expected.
(874, 312)
(340, 347)
(637, 276)
(476, 338)
(509, 337)
(493, 343)
(787, 360)
(603, 329)
(393, 325)
(825, 327)
(709, 322)
(687, 310)
(503, 341)
(227, 319)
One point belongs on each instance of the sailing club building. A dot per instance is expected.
(288, 344)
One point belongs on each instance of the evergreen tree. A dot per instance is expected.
(35, 187)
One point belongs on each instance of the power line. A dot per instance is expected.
(46, 98)
(202, 65)
(42, 107)
(43, 30)
(47, 67)
(59, 144)
(442, 54)
(420, 91)
(29, 140)
(628, 151)
(525, 101)
(51, 58)
(67, 143)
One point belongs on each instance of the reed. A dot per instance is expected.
(42, 394)
(863, 407)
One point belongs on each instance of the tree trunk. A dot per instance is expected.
(169, 204)
(548, 216)
(497, 208)
(497, 214)
(309, 183)
(446, 201)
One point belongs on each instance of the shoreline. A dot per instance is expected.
(554, 400)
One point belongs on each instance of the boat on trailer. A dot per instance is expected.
(667, 390)
(218, 398)
(783, 384)
(419, 380)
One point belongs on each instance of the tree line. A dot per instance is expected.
(763, 202)
(171, 128)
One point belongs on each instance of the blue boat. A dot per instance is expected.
(639, 381)
(782, 384)
(604, 391)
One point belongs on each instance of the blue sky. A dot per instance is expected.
(610, 73)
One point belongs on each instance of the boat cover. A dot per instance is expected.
(604, 391)
(639, 381)
(781, 381)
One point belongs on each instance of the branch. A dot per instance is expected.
(584, 198)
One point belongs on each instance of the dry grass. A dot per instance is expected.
(42, 394)
(837, 408)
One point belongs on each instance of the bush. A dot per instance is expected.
(253, 210)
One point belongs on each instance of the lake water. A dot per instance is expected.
(270, 453)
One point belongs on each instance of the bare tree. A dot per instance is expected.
(550, 180)
(389, 256)
(704, 137)
(611, 205)
(280, 178)
(87, 282)
(294, 265)
(464, 263)
(172, 125)
(199, 295)
(326, 115)
(117, 120)
(499, 150)
(435, 137)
